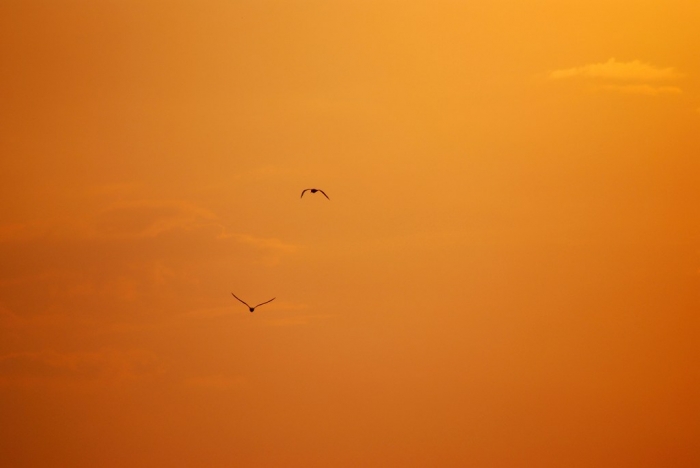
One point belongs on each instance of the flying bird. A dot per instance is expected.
(252, 309)
(313, 190)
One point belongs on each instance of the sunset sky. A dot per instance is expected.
(507, 273)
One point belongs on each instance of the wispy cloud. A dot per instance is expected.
(273, 249)
(647, 89)
(136, 220)
(270, 243)
(634, 70)
(295, 320)
(234, 308)
(49, 367)
(215, 382)
(121, 220)
(208, 313)
(118, 189)
(129, 255)
(150, 218)
(21, 231)
(11, 321)
(633, 77)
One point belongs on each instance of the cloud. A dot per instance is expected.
(119, 189)
(121, 220)
(272, 248)
(619, 71)
(154, 240)
(11, 321)
(21, 231)
(208, 313)
(296, 320)
(264, 243)
(150, 218)
(215, 382)
(646, 89)
(634, 77)
(137, 220)
(50, 368)
(131, 255)
(235, 308)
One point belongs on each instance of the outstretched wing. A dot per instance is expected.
(304, 191)
(241, 300)
(324, 193)
(264, 303)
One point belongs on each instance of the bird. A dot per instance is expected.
(313, 190)
(252, 309)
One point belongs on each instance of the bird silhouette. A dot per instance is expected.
(313, 190)
(252, 309)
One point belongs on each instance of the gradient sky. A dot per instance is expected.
(507, 273)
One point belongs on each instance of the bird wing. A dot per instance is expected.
(304, 191)
(241, 300)
(324, 193)
(264, 303)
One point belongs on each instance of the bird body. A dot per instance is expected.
(313, 190)
(252, 309)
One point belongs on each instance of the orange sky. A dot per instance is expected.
(507, 273)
